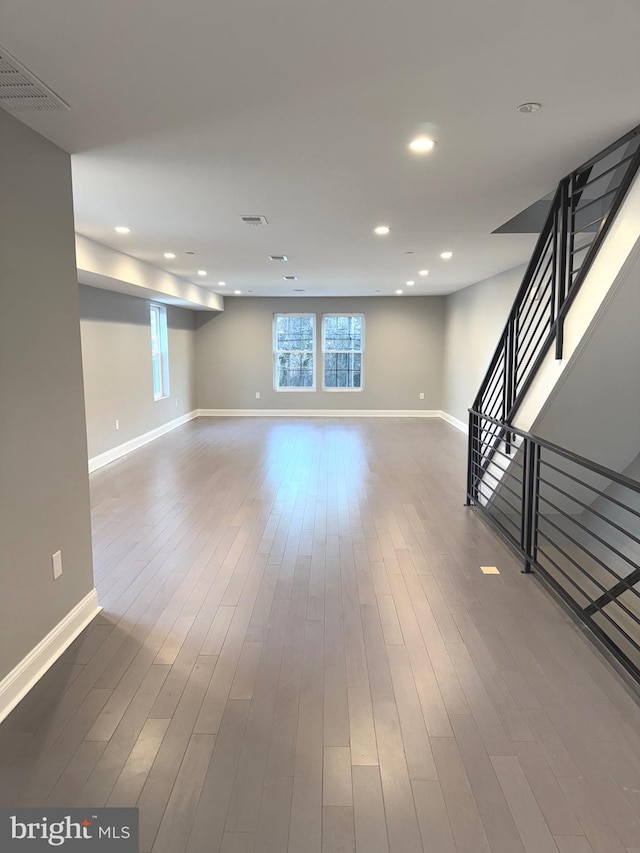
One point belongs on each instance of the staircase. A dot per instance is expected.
(573, 521)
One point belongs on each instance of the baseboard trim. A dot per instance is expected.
(461, 425)
(317, 413)
(134, 443)
(22, 678)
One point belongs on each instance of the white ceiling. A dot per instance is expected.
(185, 115)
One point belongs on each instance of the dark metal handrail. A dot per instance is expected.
(555, 273)
(572, 520)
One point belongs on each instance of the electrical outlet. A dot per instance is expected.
(56, 564)
(117, 424)
(422, 395)
(257, 395)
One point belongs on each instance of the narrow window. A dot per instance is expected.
(342, 349)
(293, 352)
(159, 351)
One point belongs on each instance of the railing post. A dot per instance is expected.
(472, 449)
(529, 502)
(562, 277)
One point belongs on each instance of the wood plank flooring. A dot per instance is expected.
(299, 653)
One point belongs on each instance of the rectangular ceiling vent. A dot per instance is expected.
(254, 220)
(278, 258)
(21, 90)
(290, 277)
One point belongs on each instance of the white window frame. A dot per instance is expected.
(276, 351)
(355, 351)
(159, 350)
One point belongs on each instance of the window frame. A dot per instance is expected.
(160, 333)
(276, 351)
(359, 352)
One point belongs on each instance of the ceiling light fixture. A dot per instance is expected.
(122, 229)
(222, 283)
(410, 283)
(169, 255)
(446, 255)
(382, 229)
(531, 107)
(398, 293)
(202, 272)
(237, 292)
(423, 272)
(421, 144)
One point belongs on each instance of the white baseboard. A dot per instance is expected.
(22, 678)
(134, 443)
(317, 413)
(461, 425)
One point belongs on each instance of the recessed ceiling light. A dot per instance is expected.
(122, 229)
(423, 272)
(222, 283)
(169, 255)
(202, 272)
(278, 258)
(410, 283)
(237, 292)
(446, 255)
(382, 229)
(421, 144)
(531, 107)
(398, 293)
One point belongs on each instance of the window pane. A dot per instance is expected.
(294, 333)
(343, 333)
(342, 370)
(295, 370)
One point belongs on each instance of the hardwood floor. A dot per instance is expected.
(299, 653)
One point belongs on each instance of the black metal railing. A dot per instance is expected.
(581, 213)
(572, 520)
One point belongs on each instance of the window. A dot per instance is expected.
(294, 341)
(342, 348)
(159, 351)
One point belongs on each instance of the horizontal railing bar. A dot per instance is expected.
(526, 342)
(617, 590)
(495, 449)
(599, 177)
(532, 309)
(568, 576)
(592, 556)
(498, 509)
(619, 628)
(590, 509)
(593, 201)
(591, 488)
(619, 143)
(591, 533)
(574, 252)
(607, 473)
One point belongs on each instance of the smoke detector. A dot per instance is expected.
(253, 219)
(529, 108)
(21, 90)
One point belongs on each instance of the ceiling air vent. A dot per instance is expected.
(20, 89)
(254, 220)
(278, 258)
(290, 277)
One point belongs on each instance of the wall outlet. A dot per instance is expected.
(257, 395)
(422, 395)
(56, 564)
(117, 424)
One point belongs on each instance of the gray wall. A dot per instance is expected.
(475, 319)
(403, 354)
(44, 494)
(116, 354)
